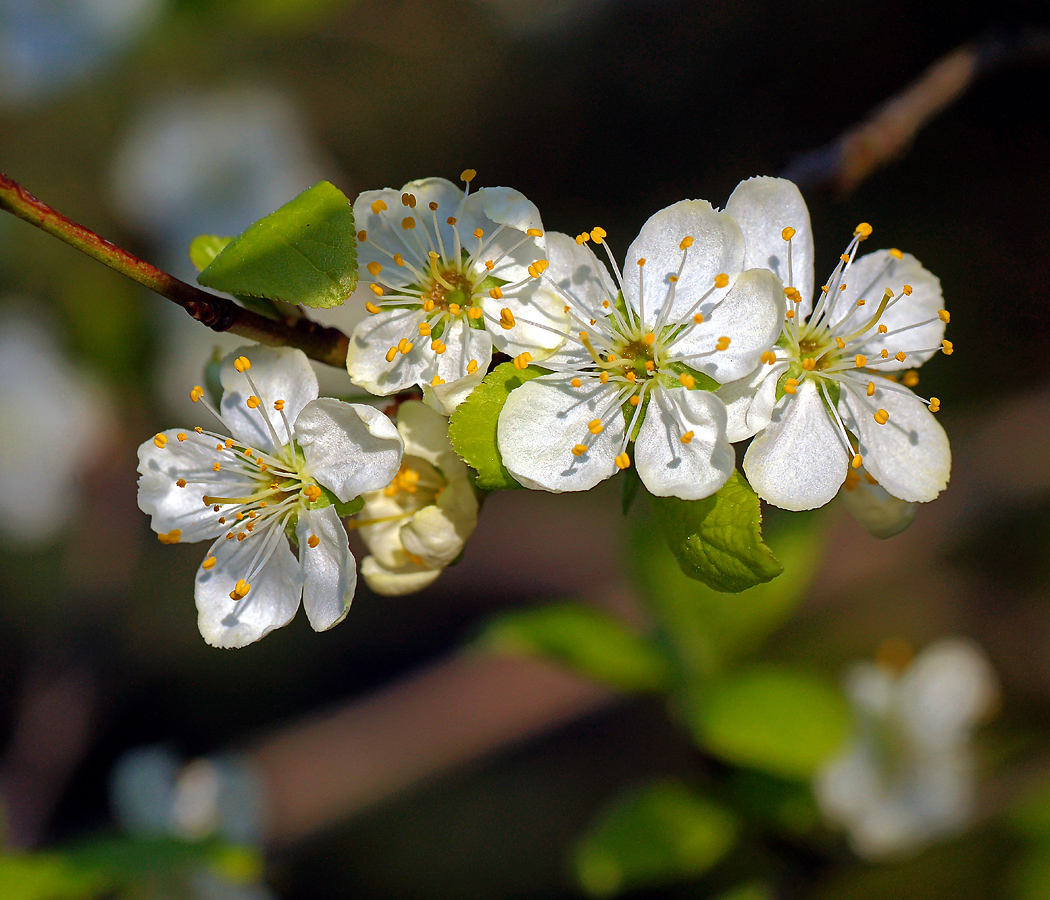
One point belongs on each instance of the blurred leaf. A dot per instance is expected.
(787, 805)
(305, 253)
(718, 540)
(1031, 814)
(631, 482)
(588, 640)
(661, 833)
(47, 876)
(709, 629)
(472, 428)
(1029, 878)
(205, 247)
(771, 718)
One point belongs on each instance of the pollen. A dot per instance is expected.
(479, 233)
(900, 356)
(399, 260)
(860, 360)
(438, 347)
(791, 386)
(604, 378)
(506, 318)
(687, 242)
(160, 441)
(769, 357)
(582, 238)
(496, 293)
(312, 493)
(242, 364)
(313, 540)
(841, 344)
(809, 364)
(378, 206)
(858, 461)
(428, 305)
(215, 467)
(623, 461)
(490, 264)
(863, 231)
(468, 175)
(451, 220)
(374, 268)
(944, 316)
(404, 346)
(632, 377)
(883, 329)
(472, 367)
(687, 437)
(792, 294)
(534, 232)
(579, 450)
(788, 233)
(641, 262)
(432, 206)
(240, 590)
(196, 393)
(172, 537)
(884, 353)
(595, 426)
(253, 402)
(390, 354)
(947, 347)
(699, 318)
(650, 338)
(181, 482)
(598, 234)
(436, 380)
(907, 289)
(790, 314)
(424, 329)
(721, 280)
(209, 563)
(634, 401)
(475, 312)
(723, 343)
(871, 389)
(935, 404)
(881, 416)
(522, 360)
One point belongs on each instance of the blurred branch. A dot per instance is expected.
(327, 345)
(888, 132)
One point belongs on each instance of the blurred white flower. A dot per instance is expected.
(422, 519)
(876, 509)
(54, 422)
(47, 45)
(909, 776)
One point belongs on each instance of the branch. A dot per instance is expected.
(327, 345)
(889, 130)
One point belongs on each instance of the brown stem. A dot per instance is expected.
(327, 345)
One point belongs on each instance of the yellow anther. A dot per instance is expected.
(218, 446)
(944, 316)
(229, 443)
(506, 318)
(910, 379)
(790, 314)
(408, 200)
(858, 461)
(673, 279)
(408, 223)
(313, 541)
(479, 233)
(935, 404)
(199, 430)
(899, 356)
(791, 386)
(374, 268)
(522, 360)
(196, 393)
(650, 366)
(468, 175)
(576, 383)
(687, 242)
(842, 287)
(362, 236)
(160, 441)
(181, 436)
(598, 234)
(860, 360)
(215, 467)
(723, 343)
(871, 388)
(240, 590)
(172, 537)
(246, 363)
(895, 253)
(312, 493)
(475, 312)
(649, 338)
(881, 416)
(534, 232)
(438, 347)
(424, 328)
(472, 367)
(433, 206)
(181, 482)
(841, 344)
(947, 347)
(792, 294)
(884, 353)
(496, 293)
(788, 233)
(582, 238)
(378, 206)
(490, 264)
(687, 437)
(623, 461)
(721, 280)
(399, 260)
(634, 400)
(809, 364)
(253, 402)
(825, 288)
(371, 307)
(769, 357)
(436, 380)
(209, 563)
(404, 346)
(883, 329)
(699, 318)
(604, 378)
(907, 289)
(595, 426)
(579, 450)
(451, 220)
(390, 354)
(533, 271)
(249, 452)
(641, 261)
(428, 305)
(844, 257)
(632, 376)
(863, 231)
(688, 381)
(376, 289)
(454, 309)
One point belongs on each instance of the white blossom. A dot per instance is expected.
(826, 398)
(685, 313)
(908, 777)
(290, 459)
(451, 272)
(418, 523)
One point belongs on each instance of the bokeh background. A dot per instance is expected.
(152, 121)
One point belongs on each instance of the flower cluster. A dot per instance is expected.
(710, 334)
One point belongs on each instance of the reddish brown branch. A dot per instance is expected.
(327, 345)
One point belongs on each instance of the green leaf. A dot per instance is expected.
(350, 508)
(718, 540)
(305, 253)
(782, 721)
(662, 833)
(205, 247)
(472, 428)
(48, 876)
(588, 640)
(708, 629)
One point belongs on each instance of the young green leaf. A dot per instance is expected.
(205, 247)
(472, 428)
(305, 253)
(770, 718)
(588, 640)
(718, 540)
(660, 834)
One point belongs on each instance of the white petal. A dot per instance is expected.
(329, 570)
(909, 455)
(669, 468)
(718, 248)
(350, 448)
(383, 539)
(279, 373)
(750, 401)
(540, 320)
(183, 508)
(464, 345)
(444, 398)
(869, 277)
(271, 602)
(436, 534)
(880, 513)
(751, 316)
(798, 461)
(371, 341)
(425, 433)
(545, 418)
(398, 581)
(503, 215)
(763, 207)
